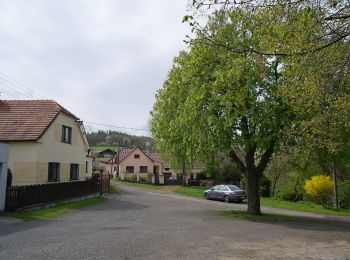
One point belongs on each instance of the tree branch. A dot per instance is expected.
(265, 159)
(238, 162)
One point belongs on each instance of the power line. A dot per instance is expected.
(115, 126)
(18, 86)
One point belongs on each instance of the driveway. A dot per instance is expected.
(143, 224)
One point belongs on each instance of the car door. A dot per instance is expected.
(214, 192)
(221, 193)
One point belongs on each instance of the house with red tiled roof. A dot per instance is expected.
(47, 143)
(134, 164)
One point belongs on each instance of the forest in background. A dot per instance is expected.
(116, 139)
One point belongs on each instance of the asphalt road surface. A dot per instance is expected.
(143, 224)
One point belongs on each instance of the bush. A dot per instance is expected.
(292, 189)
(320, 188)
(202, 176)
(149, 177)
(344, 194)
(134, 177)
(265, 186)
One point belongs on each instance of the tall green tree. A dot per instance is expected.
(224, 95)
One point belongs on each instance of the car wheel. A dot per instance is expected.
(226, 199)
(207, 196)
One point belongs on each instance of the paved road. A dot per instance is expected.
(142, 224)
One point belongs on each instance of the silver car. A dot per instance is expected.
(226, 193)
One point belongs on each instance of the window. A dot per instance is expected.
(137, 156)
(87, 167)
(54, 172)
(66, 134)
(166, 169)
(74, 172)
(129, 169)
(143, 169)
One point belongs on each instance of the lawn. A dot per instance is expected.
(196, 192)
(304, 206)
(56, 211)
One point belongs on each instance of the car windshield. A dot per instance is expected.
(233, 187)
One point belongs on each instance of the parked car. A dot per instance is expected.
(227, 193)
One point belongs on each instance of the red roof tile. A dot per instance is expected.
(27, 120)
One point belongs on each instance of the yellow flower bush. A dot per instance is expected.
(320, 188)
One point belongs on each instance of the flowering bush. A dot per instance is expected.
(320, 188)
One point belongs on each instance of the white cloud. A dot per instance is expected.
(102, 59)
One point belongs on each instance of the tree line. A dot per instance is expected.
(118, 139)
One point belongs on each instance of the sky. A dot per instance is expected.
(101, 59)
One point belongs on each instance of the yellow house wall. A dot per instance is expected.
(131, 161)
(29, 160)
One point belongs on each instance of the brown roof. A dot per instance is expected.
(27, 120)
(125, 152)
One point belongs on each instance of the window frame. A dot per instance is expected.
(143, 167)
(74, 176)
(66, 134)
(130, 167)
(55, 176)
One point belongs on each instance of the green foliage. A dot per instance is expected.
(344, 194)
(293, 187)
(265, 186)
(149, 177)
(112, 139)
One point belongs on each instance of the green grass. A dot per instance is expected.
(56, 211)
(195, 192)
(304, 206)
(140, 185)
(113, 190)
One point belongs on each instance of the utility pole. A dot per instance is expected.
(118, 160)
(336, 202)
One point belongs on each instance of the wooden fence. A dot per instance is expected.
(30, 195)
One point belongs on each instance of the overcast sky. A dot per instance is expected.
(101, 59)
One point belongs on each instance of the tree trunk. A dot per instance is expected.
(253, 193)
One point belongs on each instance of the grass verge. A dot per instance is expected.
(304, 206)
(56, 211)
(195, 192)
(140, 185)
(113, 190)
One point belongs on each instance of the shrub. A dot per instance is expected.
(344, 194)
(202, 176)
(149, 177)
(292, 189)
(320, 188)
(134, 177)
(265, 186)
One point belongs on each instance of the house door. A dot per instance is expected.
(156, 174)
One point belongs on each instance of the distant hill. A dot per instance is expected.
(101, 140)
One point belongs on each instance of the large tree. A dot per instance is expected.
(225, 95)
